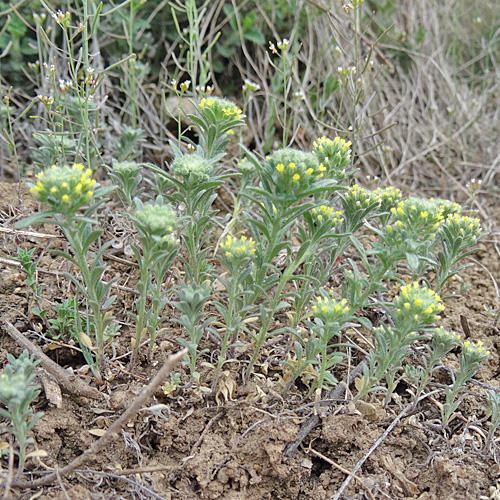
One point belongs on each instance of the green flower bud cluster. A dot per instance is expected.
(126, 169)
(293, 170)
(156, 224)
(326, 215)
(238, 249)
(334, 154)
(245, 166)
(389, 197)
(329, 310)
(65, 188)
(465, 228)
(417, 215)
(192, 165)
(443, 341)
(417, 306)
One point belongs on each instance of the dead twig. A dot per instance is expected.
(377, 443)
(71, 383)
(313, 420)
(342, 469)
(30, 234)
(113, 431)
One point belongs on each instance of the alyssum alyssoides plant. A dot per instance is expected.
(17, 394)
(156, 225)
(65, 190)
(193, 178)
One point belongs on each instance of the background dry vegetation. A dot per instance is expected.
(424, 117)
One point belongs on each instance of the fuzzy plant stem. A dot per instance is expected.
(71, 232)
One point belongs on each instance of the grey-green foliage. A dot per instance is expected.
(17, 394)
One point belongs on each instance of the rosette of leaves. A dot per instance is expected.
(127, 176)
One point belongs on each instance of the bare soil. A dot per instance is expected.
(187, 446)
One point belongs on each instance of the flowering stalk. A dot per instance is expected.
(331, 317)
(325, 225)
(304, 254)
(288, 176)
(415, 309)
(155, 224)
(359, 205)
(192, 299)
(443, 342)
(240, 184)
(195, 177)
(216, 120)
(457, 235)
(66, 190)
(469, 361)
(237, 254)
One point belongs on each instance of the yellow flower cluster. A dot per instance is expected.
(465, 227)
(389, 197)
(443, 341)
(334, 154)
(418, 304)
(477, 350)
(325, 214)
(443, 336)
(357, 197)
(238, 248)
(65, 188)
(292, 171)
(329, 310)
(417, 214)
(291, 168)
(324, 144)
(447, 207)
(222, 107)
(474, 353)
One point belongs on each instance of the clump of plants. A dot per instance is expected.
(306, 254)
